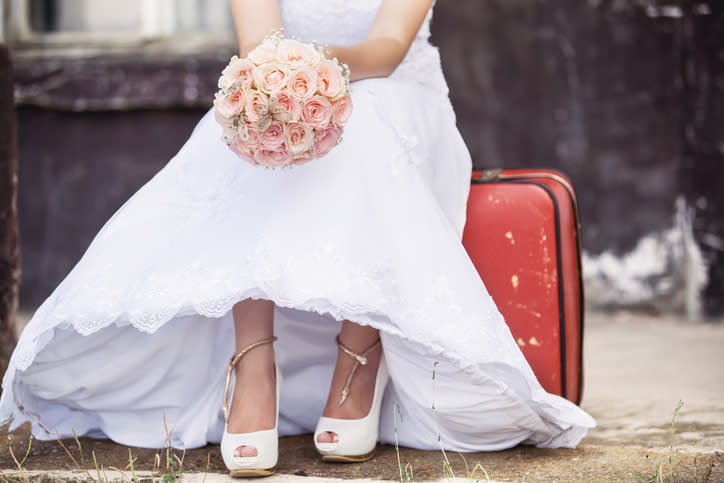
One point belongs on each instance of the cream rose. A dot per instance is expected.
(238, 71)
(296, 54)
(317, 111)
(263, 53)
(303, 84)
(253, 100)
(229, 105)
(289, 104)
(326, 140)
(271, 78)
(221, 119)
(299, 138)
(342, 110)
(330, 81)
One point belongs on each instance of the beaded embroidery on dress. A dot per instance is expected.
(141, 327)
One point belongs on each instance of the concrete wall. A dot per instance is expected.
(9, 245)
(625, 97)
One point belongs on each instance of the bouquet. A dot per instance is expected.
(284, 104)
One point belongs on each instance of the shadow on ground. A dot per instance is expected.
(298, 457)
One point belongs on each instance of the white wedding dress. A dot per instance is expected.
(142, 327)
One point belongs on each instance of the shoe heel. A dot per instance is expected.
(266, 442)
(357, 437)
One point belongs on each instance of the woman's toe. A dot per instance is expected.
(245, 452)
(327, 437)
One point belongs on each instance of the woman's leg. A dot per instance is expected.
(356, 338)
(253, 406)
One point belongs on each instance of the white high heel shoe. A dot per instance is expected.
(266, 442)
(357, 438)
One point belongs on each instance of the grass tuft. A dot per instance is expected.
(673, 473)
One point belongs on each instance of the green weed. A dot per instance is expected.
(672, 474)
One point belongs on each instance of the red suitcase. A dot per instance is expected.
(522, 234)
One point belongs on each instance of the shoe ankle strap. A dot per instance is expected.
(233, 363)
(359, 359)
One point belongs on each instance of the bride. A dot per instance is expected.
(353, 261)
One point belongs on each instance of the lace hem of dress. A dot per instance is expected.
(565, 433)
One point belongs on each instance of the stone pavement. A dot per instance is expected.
(637, 369)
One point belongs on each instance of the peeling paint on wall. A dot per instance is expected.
(665, 271)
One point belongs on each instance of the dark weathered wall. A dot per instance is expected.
(9, 249)
(625, 96)
(77, 169)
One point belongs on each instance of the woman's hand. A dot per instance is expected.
(254, 20)
(387, 42)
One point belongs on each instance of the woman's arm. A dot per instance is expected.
(254, 20)
(387, 42)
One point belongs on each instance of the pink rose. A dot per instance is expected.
(242, 153)
(303, 83)
(317, 111)
(299, 138)
(297, 54)
(229, 105)
(272, 157)
(342, 110)
(254, 99)
(248, 136)
(263, 53)
(271, 78)
(330, 81)
(273, 136)
(326, 140)
(304, 158)
(224, 121)
(238, 70)
(287, 102)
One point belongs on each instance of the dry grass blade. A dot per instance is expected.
(395, 412)
(208, 465)
(21, 471)
(446, 467)
(7, 478)
(120, 471)
(60, 442)
(477, 466)
(156, 464)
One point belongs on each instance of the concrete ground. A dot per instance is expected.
(637, 369)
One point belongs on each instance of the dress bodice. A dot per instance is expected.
(345, 22)
(334, 22)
